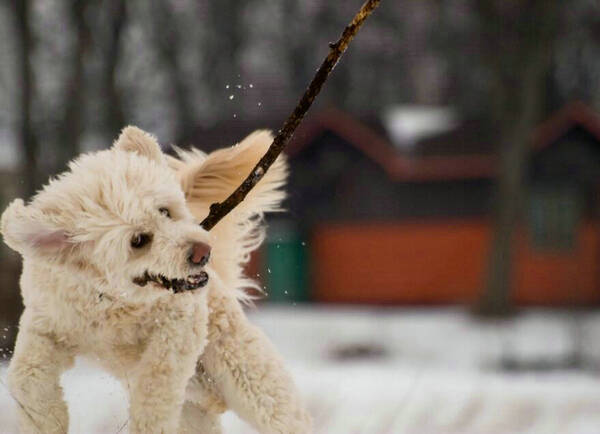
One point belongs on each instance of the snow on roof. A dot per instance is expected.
(407, 124)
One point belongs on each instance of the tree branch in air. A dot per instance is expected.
(221, 209)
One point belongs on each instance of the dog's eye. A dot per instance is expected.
(165, 212)
(140, 240)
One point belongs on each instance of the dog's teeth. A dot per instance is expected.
(189, 283)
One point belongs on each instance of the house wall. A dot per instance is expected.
(332, 180)
(431, 262)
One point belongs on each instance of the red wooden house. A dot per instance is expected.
(382, 226)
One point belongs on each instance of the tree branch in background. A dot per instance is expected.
(72, 122)
(114, 116)
(519, 62)
(163, 33)
(22, 11)
(221, 51)
(221, 209)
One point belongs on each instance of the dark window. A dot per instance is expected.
(555, 212)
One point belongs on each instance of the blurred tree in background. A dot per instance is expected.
(24, 128)
(85, 68)
(199, 71)
(80, 70)
(517, 56)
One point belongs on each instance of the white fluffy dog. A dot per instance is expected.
(116, 267)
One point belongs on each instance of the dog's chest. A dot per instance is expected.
(125, 329)
(102, 326)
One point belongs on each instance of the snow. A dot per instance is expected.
(415, 371)
(407, 124)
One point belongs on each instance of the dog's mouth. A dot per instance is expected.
(191, 282)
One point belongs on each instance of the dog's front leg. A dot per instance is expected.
(157, 389)
(34, 382)
(249, 373)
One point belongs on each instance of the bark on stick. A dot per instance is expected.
(221, 209)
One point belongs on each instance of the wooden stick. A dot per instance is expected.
(221, 209)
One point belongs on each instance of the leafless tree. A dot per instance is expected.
(163, 31)
(73, 121)
(27, 138)
(111, 52)
(518, 39)
(221, 49)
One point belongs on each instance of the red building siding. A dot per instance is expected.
(443, 262)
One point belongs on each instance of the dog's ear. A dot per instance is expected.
(211, 178)
(133, 139)
(27, 230)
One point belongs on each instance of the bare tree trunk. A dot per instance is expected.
(509, 198)
(221, 51)
(298, 49)
(520, 64)
(73, 120)
(164, 35)
(115, 118)
(27, 137)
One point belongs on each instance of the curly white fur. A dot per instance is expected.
(184, 358)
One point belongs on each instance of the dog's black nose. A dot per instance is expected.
(199, 254)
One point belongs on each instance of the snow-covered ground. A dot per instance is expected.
(403, 371)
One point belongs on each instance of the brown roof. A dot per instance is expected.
(401, 167)
(574, 114)
(398, 167)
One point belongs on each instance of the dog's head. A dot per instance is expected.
(118, 218)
